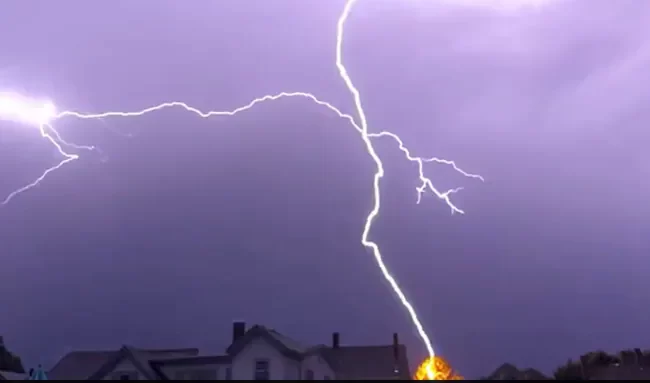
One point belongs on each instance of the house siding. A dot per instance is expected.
(318, 365)
(243, 364)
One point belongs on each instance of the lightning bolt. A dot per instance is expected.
(9, 109)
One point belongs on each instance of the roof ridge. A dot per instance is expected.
(165, 350)
(89, 351)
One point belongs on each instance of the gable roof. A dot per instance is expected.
(141, 360)
(368, 362)
(285, 345)
(80, 365)
(93, 365)
(9, 362)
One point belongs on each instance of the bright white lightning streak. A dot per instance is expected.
(19, 113)
(365, 240)
(67, 157)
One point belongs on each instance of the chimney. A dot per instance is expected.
(238, 330)
(335, 340)
(396, 353)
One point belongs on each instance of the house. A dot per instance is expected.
(257, 353)
(10, 375)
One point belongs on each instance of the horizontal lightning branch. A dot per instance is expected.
(48, 132)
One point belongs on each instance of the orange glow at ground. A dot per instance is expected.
(435, 368)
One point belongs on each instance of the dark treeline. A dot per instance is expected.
(627, 364)
(595, 365)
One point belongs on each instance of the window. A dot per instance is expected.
(309, 375)
(261, 370)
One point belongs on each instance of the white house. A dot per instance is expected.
(258, 353)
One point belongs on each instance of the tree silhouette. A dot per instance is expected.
(569, 371)
(591, 364)
(595, 361)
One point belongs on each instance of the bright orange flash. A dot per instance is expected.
(435, 368)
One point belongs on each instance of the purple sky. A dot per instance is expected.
(163, 238)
